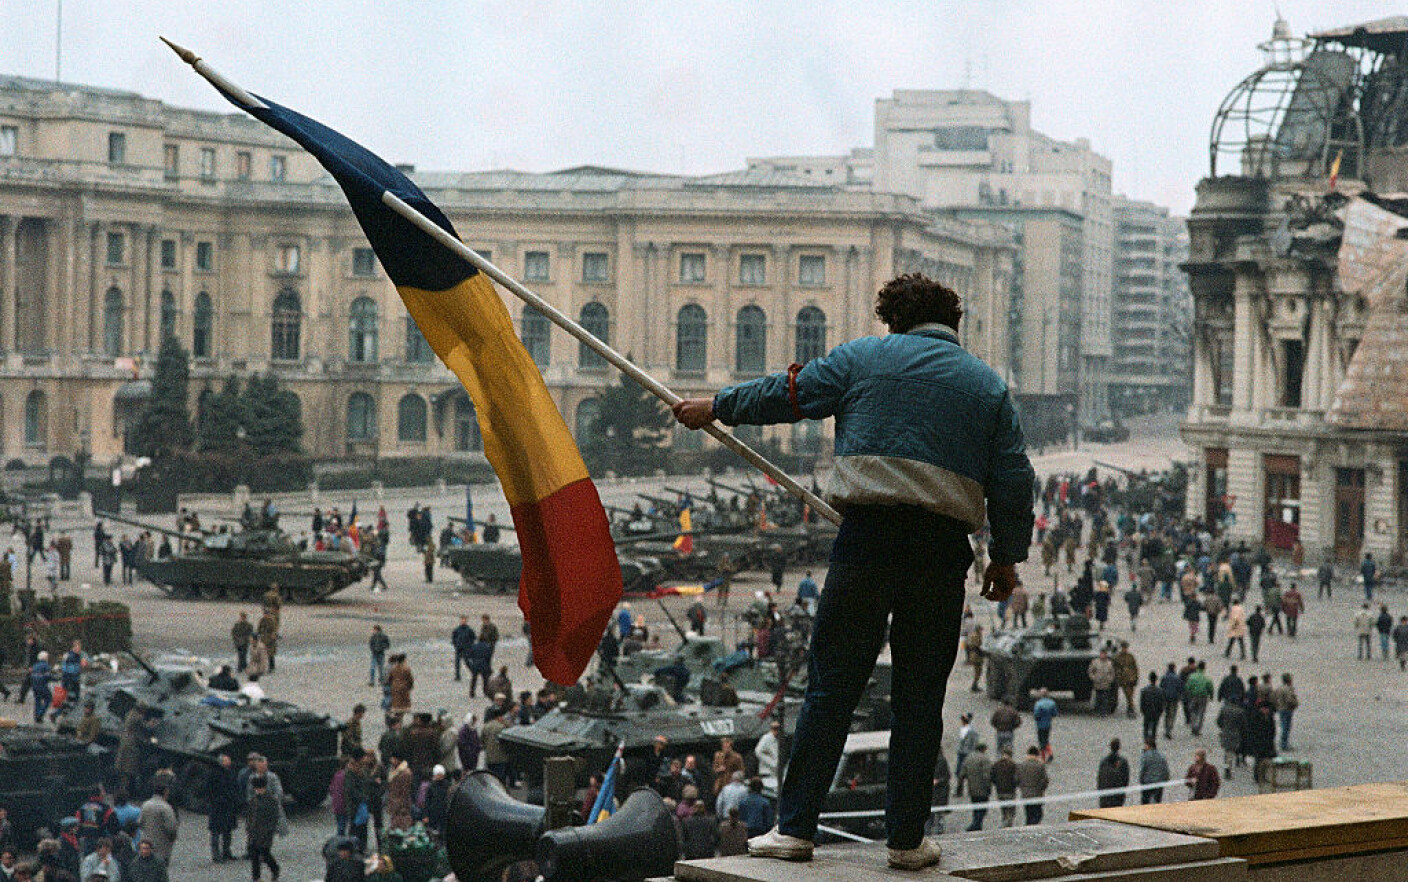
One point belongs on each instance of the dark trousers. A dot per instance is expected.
(461, 658)
(1033, 813)
(220, 846)
(926, 603)
(1149, 796)
(481, 678)
(1151, 728)
(1291, 622)
(1256, 646)
(1212, 629)
(1241, 645)
(1275, 623)
(978, 815)
(259, 856)
(242, 656)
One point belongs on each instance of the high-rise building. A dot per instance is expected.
(1153, 311)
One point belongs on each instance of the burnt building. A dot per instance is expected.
(1299, 417)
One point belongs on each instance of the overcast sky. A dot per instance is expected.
(680, 86)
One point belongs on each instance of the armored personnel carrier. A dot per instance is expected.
(591, 721)
(45, 776)
(494, 568)
(1054, 653)
(190, 725)
(243, 564)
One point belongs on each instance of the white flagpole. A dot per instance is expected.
(655, 387)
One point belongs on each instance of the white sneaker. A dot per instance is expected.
(926, 855)
(776, 844)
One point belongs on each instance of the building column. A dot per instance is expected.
(1243, 352)
(1245, 482)
(8, 227)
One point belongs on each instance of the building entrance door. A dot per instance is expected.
(1349, 514)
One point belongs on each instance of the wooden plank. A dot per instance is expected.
(1283, 826)
(1219, 870)
(1001, 855)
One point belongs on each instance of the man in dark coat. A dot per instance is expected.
(1112, 773)
(261, 823)
(1151, 706)
(222, 797)
(462, 638)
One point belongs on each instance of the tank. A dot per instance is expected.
(1054, 653)
(44, 776)
(245, 563)
(193, 724)
(494, 568)
(592, 720)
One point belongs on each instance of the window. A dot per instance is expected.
(286, 323)
(691, 339)
(171, 161)
(418, 349)
(117, 148)
(751, 341)
(168, 254)
(597, 320)
(205, 256)
(363, 262)
(535, 329)
(202, 322)
(961, 138)
(168, 314)
(1293, 374)
(289, 259)
(9, 140)
(691, 268)
(536, 266)
(467, 434)
(811, 269)
(410, 419)
(112, 322)
(117, 249)
(587, 413)
(243, 165)
(361, 417)
(753, 269)
(361, 342)
(1282, 477)
(207, 163)
(811, 334)
(595, 267)
(278, 167)
(36, 419)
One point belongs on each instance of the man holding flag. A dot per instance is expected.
(928, 449)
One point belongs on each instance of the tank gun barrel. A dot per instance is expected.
(658, 500)
(175, 534)
(146, 666)
(454, 520)
(666, 610)
(714, 482)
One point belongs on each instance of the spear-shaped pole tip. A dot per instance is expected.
(186, 55)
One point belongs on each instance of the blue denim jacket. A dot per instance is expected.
(919, 421)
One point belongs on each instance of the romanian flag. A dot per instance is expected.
(684, 542)
(1335, 169)
(571, 580)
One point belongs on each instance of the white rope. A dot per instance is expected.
(1013, 803)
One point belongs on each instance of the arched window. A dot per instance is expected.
(587, 413)
(286, 325)
(361, 417)
(467, 437)
(811, 334)
(361, 333)
(691, 339)
(418, 349)
(112, 322)
(597, 320)
(535, 336)
(202, 323)
(168, 314)
(36, 419)
(751, 343)
(410, 419)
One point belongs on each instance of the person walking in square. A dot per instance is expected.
(927, 438)
(1153, 769)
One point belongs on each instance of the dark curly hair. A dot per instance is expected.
(915, 299)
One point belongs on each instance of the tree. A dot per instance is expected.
(221, 417)
(628, 430)
(164, 427)
(272, 419)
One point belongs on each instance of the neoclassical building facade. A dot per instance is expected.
(123, 219)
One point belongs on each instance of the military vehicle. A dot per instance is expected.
(494, 568)
(592, 720)
(1054, 653)
(44, 776)
(243, 564)
(191, 725)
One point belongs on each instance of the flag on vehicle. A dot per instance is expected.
(684, 542)
(571, 580)
(605, 805)
(469, 515)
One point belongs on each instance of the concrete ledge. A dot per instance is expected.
(1077, 849)
(1302, 825)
